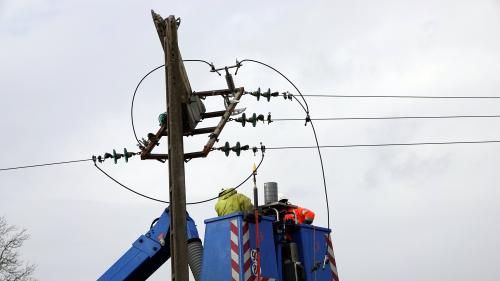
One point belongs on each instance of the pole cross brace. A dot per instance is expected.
(213, 131)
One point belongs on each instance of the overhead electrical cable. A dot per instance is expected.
(383, 144)
(128, 188)
(399, 96)
(139, 84)
(292, 147)
(388, 118)
(133, 99)
(45, 164)
(166, 202)
(305, 107)
(236, 187)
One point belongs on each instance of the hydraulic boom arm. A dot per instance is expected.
(151, 250)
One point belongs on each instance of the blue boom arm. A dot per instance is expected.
(148, 252)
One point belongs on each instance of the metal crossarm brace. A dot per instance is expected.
(229, 110)
(213, 131)
(213, 93)
(153, 142)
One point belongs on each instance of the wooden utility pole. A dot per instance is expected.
(177, 187)
(184, 111)
(178, 92)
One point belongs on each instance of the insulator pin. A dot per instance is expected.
(252, 120)
(237, 148)
(115, 156)
(267, 94)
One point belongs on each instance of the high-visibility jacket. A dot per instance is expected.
(300, 215)
(231, 202)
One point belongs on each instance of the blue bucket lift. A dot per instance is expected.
(288, 251)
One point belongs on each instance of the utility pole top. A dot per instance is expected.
(167, 32)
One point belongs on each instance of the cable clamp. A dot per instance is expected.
(212, 69)
(262, 148)
(140, 146)
(308, 119)
(287, 95)
(238, 65)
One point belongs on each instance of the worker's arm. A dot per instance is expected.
(218, 208)
(308, 215)
(245, 203)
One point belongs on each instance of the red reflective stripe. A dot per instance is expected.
(246, 250)
(247, 265)
(234, 229)
(328, 241)
(331, 258)
(235, 266)
(234, 247)
(246, 246)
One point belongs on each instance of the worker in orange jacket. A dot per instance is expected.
(298, 215)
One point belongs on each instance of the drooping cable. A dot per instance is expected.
(203, 61)
(305, 107)
(133, 99)
(236, 187)
(128, 188)
(166, 202)
(139, 84)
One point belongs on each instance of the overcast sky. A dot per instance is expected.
(68, 70)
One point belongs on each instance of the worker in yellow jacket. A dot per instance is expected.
(231, 202)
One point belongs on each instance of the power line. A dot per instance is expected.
(400, 96)
(133, 99)
(305, 107)
(388, 118)
(45, 164)
(124, 186)
(166, 202)
(290, 147)
(139, 84)
(236, 187)
(383, 144)
(128, 188)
